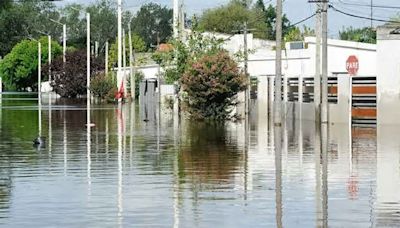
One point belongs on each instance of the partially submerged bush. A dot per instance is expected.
(101, 85)
(211, 84)
(69, 79)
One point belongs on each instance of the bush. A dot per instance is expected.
(70, 80)
(211, 84)
(101, 85)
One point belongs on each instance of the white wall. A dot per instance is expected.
(388, 80)
(302, 62)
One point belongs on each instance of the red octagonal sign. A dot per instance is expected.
(352, 65)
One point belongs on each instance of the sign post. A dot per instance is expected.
(352, 65)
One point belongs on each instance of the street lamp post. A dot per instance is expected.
(87, 53)
(64, 38)
(119, 72)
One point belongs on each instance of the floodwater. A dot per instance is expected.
(127, 172)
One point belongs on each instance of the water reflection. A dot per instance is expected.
(169, 171)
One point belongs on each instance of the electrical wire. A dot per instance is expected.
(303, 20)
(368, 5)
(361, 17)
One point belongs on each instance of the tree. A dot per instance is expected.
(5, 4)
(270, 19)
(138, 46)
(177, 55)
(260, 5)
(231, 17)
(364, 35)
(153, 23)
(70, 78)
(296, 34)
(211, 84)
(19, 67)
(24, 19)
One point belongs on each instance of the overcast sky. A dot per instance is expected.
(296, 10)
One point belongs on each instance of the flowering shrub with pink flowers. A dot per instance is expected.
(211, 84)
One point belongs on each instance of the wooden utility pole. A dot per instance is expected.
(324, 90)
(317, 77)
(278, 66)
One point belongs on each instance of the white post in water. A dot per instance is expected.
(40, 87)
(119, 72)
(278, 70)
(49, 41)
(106, 60)
(88, 61)
(64, 43)
(132, 76)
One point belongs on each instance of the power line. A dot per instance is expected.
(303, 20)
(369, 5)
(361, 17)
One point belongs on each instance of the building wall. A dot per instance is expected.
(302, 61)
(388, 80)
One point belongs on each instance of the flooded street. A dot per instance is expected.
(127, 172)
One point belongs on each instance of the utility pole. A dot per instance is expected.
(278, 66)
(324, 90)
(119, 72)
(317, 77)
(176, 18)
(131, 61)
(372, 14)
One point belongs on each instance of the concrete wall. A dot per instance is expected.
(388, 77)
(302, 61)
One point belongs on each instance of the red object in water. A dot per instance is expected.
(120, 93)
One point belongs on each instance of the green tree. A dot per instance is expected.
(138, 46)
(176, 59)
(5, 4)
(25, 19)
(270, 19)
(153, 23)
(364, 35)
(231, 17)
(296, 34)
(19, 67)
